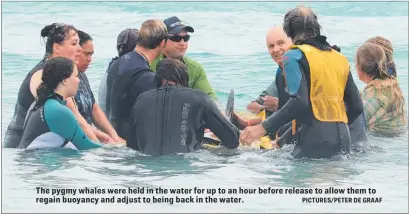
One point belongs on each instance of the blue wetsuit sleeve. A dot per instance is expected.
(62, 121)
(298, 93)
(292, 70)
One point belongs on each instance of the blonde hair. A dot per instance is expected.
(151, 34)
(386, 45)
(372, 60)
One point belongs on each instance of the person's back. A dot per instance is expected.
(130, 75)
(57, 36)
(24, 99)
(54, 125)
(126, 43)
(172, 118)
(384, 103)
(50, 123)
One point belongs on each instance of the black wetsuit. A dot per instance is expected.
(172, 119)
(316, 139)
(24, 100)
(54, 125)
(356, 128)
(128, 76)
(103, 96)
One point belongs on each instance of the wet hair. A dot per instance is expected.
(371, 59)
(301, 24)
(55, 33)
(55, 71)
(84, 37)
(386, 45)
(151, 34)
(171, 70)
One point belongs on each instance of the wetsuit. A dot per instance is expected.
(172, 119)
(316, 139)
(84, 98)
(128, 76)
(54, 125)
(24, 100)
(102, 90)
(356, 129)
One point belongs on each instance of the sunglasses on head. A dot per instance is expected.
(177, 38)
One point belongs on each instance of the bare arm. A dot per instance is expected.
(103, 123)
(89, 131)
(254, 107)
(35, 81)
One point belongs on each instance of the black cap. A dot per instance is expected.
(175, 25)
(126, 41)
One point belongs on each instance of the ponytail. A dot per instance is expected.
(43, 92)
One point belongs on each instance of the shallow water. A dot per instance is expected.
(229, 41)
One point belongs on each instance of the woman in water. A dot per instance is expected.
(382, 97)
(50, 123)
(62, 40)
(86, 110)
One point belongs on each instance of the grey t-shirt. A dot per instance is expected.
(271, 90)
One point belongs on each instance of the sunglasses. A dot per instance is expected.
(177, 38)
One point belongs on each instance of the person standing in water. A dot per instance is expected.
(62, 41)
(126, 42)
(50, 123)
(172, 118)
(277, 44)
(83, 104)
(384, 104)
(130, 74)
(176, 48)
(318, 80)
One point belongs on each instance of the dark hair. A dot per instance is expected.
(55, 71)
(84, 37)
(171, 70)
(301, 24)
(151, 34)
(55, 33)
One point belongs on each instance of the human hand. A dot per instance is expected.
(104, 138)
(270, 103)
(118, 140)
(252, 133)
(274, 144)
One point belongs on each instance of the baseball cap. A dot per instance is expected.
(126, 41)
(175, 25)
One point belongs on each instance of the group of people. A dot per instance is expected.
(159, 101)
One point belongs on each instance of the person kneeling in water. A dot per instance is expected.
(50, 123)
(172, 118)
